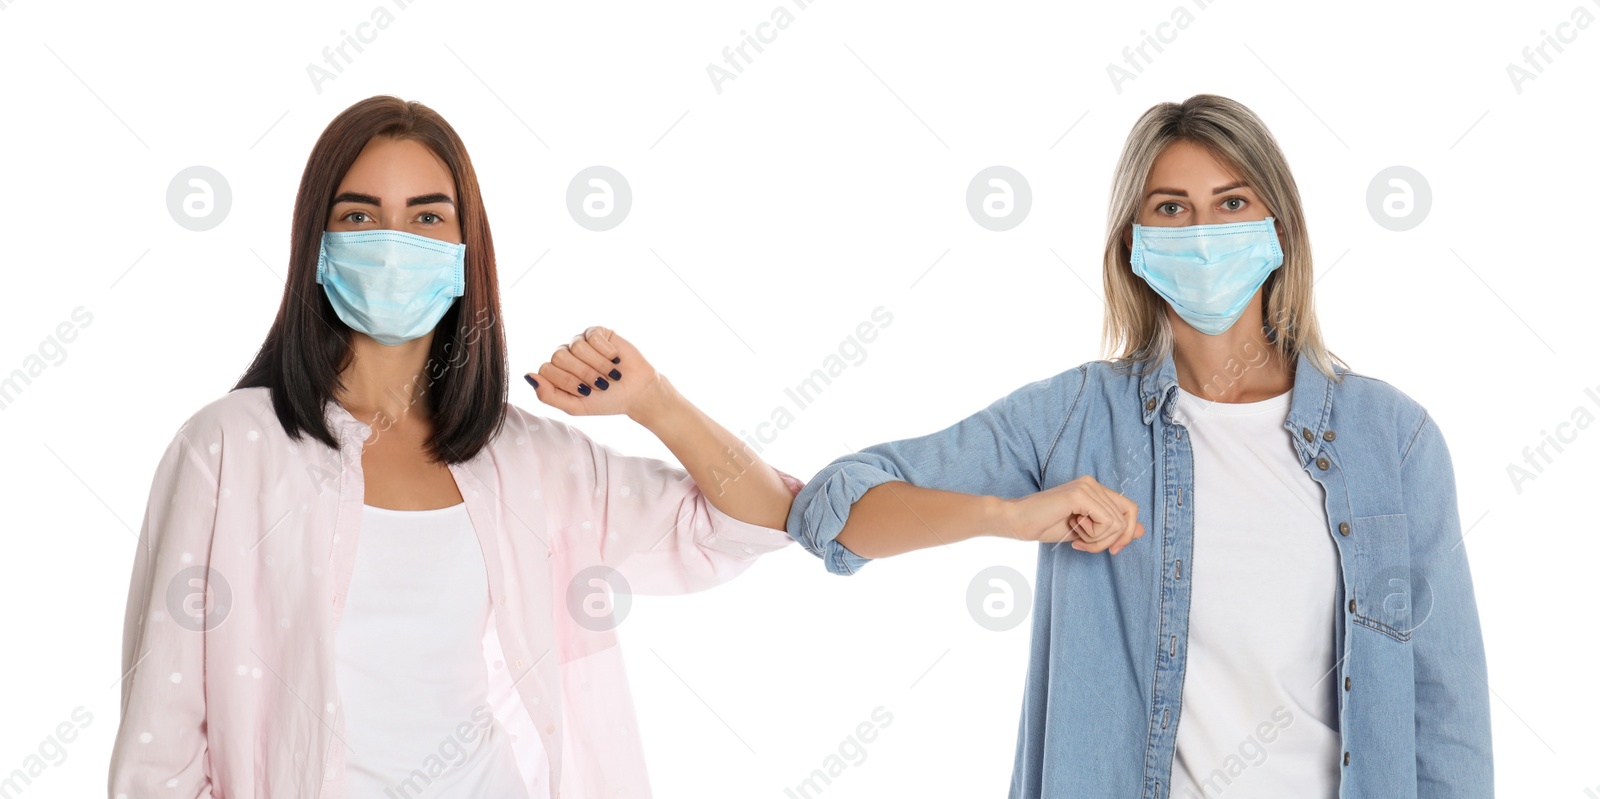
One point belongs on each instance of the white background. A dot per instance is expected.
(823, 182)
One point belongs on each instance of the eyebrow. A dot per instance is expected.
(1181, 193)
(424, 199)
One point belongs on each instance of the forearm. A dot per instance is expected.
(732, 477)
(898, 517)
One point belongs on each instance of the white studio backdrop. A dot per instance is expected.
(772, 213)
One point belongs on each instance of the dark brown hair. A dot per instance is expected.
(308, 345)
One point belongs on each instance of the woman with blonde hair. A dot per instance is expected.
(363, 573)
(1301, 620)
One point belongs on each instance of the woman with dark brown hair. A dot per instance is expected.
(466, 647)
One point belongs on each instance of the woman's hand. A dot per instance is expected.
(1094, 518)
(601, 373)
(597, 374)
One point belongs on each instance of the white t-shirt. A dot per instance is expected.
(1259, 718)
(411, 672)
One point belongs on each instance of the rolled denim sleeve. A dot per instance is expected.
(1454, 756)
(1001, 450)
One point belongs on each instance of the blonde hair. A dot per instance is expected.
(1136, 325)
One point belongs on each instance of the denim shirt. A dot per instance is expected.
(1104, 685)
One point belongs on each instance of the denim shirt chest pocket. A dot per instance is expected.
(1389, 598)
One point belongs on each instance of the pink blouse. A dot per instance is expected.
(245, 557)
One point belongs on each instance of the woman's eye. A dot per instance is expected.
(1164, 208)
(1239, 200)
(432, 214)
(350, 217)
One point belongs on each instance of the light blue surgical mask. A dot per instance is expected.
(393, 286)
(1208, 272)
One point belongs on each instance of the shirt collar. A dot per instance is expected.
(347, 426)
(353, 433)
(1309, 408)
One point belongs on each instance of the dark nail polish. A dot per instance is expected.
(532, 382)
(583, 389)
(616, 375)
(616, 360)
(601, 383)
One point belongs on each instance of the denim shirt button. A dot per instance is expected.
(1344, 529)
(1352, 606)
(1305, 432)
(1347, 758)
(1347, 683)
(1150, 404)
(1327, 435)
(1322, 463)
